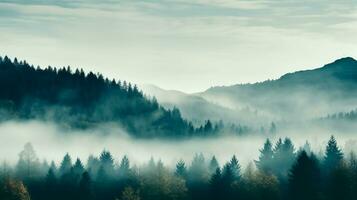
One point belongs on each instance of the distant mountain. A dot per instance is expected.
(198, 109)
(299, 95)
(83, 100)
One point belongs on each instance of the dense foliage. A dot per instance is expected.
(281, 172)
(83, 100)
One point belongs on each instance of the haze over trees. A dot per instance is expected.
(281, 172)
(79, 100)
(83, 100)
(328, 89)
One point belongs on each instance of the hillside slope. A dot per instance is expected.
(299, 95)
(80, 100)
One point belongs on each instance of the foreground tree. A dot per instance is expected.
(304, 178)
(13, 190)
(235, 167)
(129, 194)
(85, 187)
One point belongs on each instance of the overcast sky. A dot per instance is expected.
(188, 45)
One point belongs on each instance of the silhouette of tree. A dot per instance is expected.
(78, 169)
(213, 165)
(51, 182)
(181, 169)
(216, 185)
(28, 164)
(124, 168)
(284, 157)
(66, 165)
(264, 163)
(93, 165)
(340, 182)
(235, 167)
(333, 155)
(304, 178)
(107, 164)
(85, 187)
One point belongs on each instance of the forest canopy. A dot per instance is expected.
(282, 171)
(81, 100)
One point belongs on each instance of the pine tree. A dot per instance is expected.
(78, 168)
(287, 159)
(333, 155)
(66, 165)
(216, 185)
(107, 162)
(264, 164)
(198, 170)
(85, 187)
(213, 165)
(181, 170)
(124, 168)
(51, 180)
(340, 182)
(304, 178)
(235, 166)
(93, 165)
(227, 175)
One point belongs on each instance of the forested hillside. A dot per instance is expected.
(304, 94)
(82, 100)
(281, 172)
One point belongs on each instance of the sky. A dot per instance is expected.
(187, 45)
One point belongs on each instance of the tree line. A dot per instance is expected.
(76, 99)
(280, 172)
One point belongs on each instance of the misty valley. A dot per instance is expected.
(70, 134)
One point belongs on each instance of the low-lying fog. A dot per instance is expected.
(51, 143)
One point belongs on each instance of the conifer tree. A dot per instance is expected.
(216, 185)
(78, 168)
(181, 169)
(66, 165)
(85, 187)
(235, 167)
(333, 155)
(107, 162)
(264, 163)
(213, 165)
(124, 168)
(304, 178)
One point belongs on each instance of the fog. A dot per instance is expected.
(52, 142)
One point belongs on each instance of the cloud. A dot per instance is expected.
(148, 41)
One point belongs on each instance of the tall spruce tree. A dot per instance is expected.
(124, 168)
(213, 165)
(181, 169)
(236, 168)
(265, 161)
(66, 165)
(333, 155)
(304, 178)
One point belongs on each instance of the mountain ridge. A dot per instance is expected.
(331, 85)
